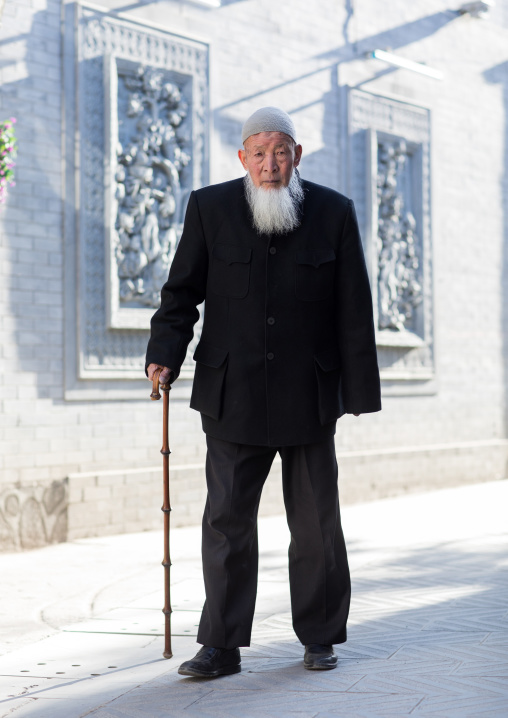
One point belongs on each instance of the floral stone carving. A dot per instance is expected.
(151, 157)
(34, 515)
(399, 284)
(140, 108)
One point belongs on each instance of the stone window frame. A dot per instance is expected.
(111, 367)
(407, 358)
(385, 337)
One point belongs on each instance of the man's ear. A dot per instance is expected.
(298, 155)
(241, 157)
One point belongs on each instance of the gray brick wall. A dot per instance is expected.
(298, 59)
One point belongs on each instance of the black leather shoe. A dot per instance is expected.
(319, 658)
(211, 662)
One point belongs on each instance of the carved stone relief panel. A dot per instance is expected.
(390, 184)
(397, 268)
(142, 125)
(34, 515)
(149, 146)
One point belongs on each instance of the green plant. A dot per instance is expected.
(8, 151)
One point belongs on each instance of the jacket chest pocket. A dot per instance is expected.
(230, 271)
(315, 271)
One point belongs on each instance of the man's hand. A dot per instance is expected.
(164, 375)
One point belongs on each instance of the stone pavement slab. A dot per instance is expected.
(428, 629)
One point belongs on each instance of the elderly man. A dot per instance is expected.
(287, 347)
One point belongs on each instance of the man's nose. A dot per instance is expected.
(271, 164)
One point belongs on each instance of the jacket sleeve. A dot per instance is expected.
(172, 325)
(357, 344)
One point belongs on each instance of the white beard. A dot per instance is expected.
(275, 211)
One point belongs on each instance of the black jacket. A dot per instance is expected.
(288, 344)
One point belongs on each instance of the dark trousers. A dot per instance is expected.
(318, 568)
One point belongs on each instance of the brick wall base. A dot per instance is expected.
(118, 502)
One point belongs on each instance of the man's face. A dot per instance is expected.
(270, 158)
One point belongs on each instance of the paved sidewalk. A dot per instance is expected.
(428, 634)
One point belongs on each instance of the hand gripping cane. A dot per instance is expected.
(166, 506)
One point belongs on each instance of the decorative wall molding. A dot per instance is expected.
(390, 184)
(399, 278)
(33, 515)
(140, 113)
(148, 150)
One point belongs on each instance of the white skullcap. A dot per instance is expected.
(268, 119)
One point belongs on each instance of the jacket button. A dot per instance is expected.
(270, 321)
(273, 250)
(270, 356)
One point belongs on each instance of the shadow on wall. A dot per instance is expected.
(499, 75)
(34, 515)
(33, 215)
(32, 218)
(395, 38)
(229, 128)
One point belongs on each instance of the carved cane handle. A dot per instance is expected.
(155, 386)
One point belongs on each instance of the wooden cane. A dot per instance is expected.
(166, 506)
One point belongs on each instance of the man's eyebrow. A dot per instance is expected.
(262, 147)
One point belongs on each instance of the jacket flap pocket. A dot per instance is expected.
(230, 254)
(210, 355)
(314, 257)
(328, 359)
